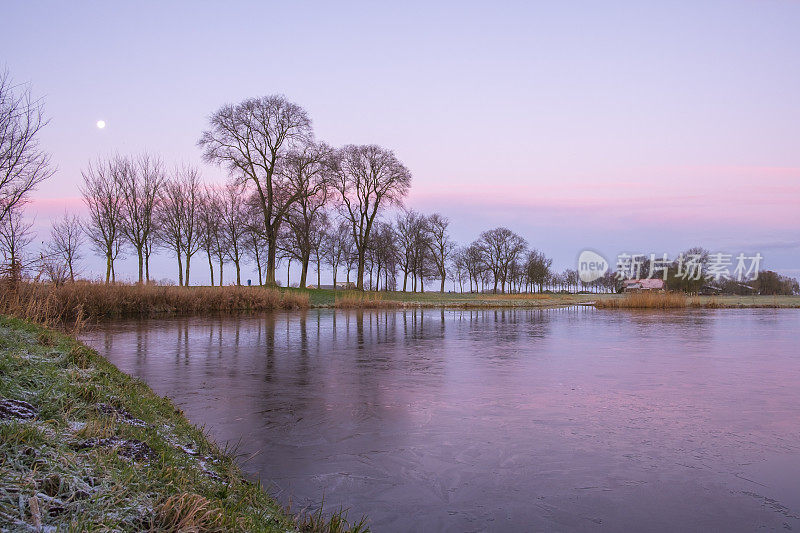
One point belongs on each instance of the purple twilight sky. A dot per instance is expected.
(617, 126)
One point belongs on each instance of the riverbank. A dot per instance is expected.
(330, 298)
(85, 447)
(372, 299)
(70, 305)
(675, 300)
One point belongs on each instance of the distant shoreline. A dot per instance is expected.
(72, 305)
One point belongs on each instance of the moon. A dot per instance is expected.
(101, 124)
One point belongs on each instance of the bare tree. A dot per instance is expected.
(139, 182)
(53, 268)
(367, 177)
(409, 225)
(102, 196)
(460, 270)
(233, 215)
(250, 139)
(440, 244)
(473, 262)
(537, 269)
(255, 242)
(15, 237)
(422, 260)
(335, 247)
(178, 216)
(66, 237)
(212, 235)
(306, 171)
(383, 255)
(319, 233)
(23, 164)
(500, 247)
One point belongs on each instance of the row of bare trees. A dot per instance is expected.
(283, 190)
(289, 198)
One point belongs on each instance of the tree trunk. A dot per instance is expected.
(210, 267)
(238, 273)
(360, 271)
(304, 270)
(188, 259)
(442, 284)
(108, 268)
(180, 271)
(272, 245)
(258, 260)
(140, 253)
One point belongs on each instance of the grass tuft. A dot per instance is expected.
(188, 512)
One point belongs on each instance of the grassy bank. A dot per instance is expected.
(670, 300)
(331, 298)
(85, 447)
(57, 305)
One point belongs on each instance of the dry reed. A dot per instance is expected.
(363, 300)
(72, 304)
(644, 300)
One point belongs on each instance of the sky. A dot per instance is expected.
(635, 127)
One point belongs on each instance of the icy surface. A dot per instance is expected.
(498, 420)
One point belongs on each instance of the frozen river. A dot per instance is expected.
(515, 420)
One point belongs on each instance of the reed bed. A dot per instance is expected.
(645, 300)
(363, 300)
(74, 303)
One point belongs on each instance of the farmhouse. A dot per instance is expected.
(642, 285)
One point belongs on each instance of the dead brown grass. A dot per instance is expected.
(188, 512)
(72, 304)
(644, 300)
(710, 303)
(363, 300)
